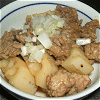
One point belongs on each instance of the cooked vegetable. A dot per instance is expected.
(45, 40)
(83, 41)
(43, 69)
(78, 52)
(49, 24)
(77, 63)
(18, 74)
(35, 52)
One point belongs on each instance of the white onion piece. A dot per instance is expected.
(60, 23)
(32, 58)
(27, 44)
(42, 19)
(83, 41)
(42, 50)
(45, 40)
(24, 31)
(39, 56)
(32, 49)
(35, 21)
(38, 30)
(48, 23)
(34, 33)
(28, 39)
(24, 51)
(34, 39)
(55, 17)
(36, 55)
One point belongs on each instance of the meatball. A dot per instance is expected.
(59, 83)
(64, 83)
(81, 83)
(9, 47)
(89, 30)
(92, 51)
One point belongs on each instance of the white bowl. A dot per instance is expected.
(14, 14)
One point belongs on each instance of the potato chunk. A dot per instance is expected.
(43, 69)
(18, 75)
(78, 52)
(77, 62)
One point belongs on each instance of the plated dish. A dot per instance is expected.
(58, 24)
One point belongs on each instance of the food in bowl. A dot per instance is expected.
(52, 52)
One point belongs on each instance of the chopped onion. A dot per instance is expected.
(32, 58)
(24, 31)
(24, 51)
(60, 23)
(42, 50)
(32, 48)
(28, 39)
(35, 21)
(38, 30)
(34, 33)
(27, 44)
(38, 56)
(42, 19)
(34, 39)
(83, 41)
(55, 17)
(47, 24)
(45, 40)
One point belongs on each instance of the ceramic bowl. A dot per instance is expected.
(14, 14)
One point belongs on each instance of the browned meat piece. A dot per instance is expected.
(8, 46)
(10, 49)
(21, 38)
(81, 83)
(28, 20)
(67, 12)
(89, 30)
(63, 83)
(72, 29)
(92, 51)
(59, 83)
(73, 25)
(10, 35)
(61, 46)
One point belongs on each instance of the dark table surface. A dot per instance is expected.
(7, 95)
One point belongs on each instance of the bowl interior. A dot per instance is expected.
(16, 19)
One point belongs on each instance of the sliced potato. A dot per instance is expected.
(18, 75)
(78, 52)
(35, 68)
(77, 62)
(42, 70)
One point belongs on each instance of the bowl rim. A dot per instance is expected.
(16, 91)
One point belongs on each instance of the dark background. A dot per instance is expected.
(7, 95)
